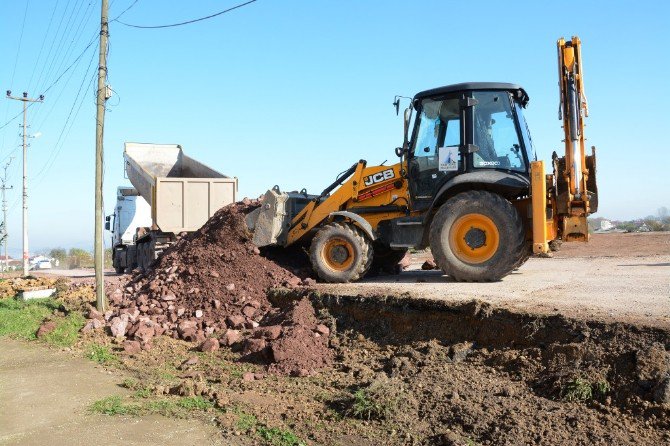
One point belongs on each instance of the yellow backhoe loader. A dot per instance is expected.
(467, 185)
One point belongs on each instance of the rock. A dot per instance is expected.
(180, 312)
(193, 360)
(210, 345)
(169, 297)
(248, 376)
(46, 328)
(322, 330)
(235, 321)
(184, 326)
(308, 282)
(458, 352)
(662, 391)
(253, 345)
(132, 347)
(429, 265)
(248, 311)
(271, 332)
(92, 324)
(230, 287)
(293, 282)
(145, 332)
(230, 337)
(214, 274)
(95, 314)
(118, 326)
(404, 263)
(254, 303)
(198, 313)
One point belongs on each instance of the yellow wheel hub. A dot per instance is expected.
(338, 254)
(474, 238)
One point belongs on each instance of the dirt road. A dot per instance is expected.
(45, 394)
(616, 277)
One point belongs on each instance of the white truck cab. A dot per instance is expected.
(130, 213)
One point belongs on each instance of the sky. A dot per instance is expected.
(293, 92)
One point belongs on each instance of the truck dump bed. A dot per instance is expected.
(183, 193)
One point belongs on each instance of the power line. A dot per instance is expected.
(125, 10)
(18, 50)
(56, 81)
(187, 22)
(44, 40)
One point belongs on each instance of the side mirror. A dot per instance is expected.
(408, 117)
(107, 225)
(396, 104)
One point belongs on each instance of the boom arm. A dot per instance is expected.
(563, 201)
(572, 110)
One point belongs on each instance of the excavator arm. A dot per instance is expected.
(563, 201)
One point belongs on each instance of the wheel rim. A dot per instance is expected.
(474, 238)
(338, 254)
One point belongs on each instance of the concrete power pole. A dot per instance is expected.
(5, 233)
(99, 134)
(25, 99)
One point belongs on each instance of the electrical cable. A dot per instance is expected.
(187, 22)
(44, 40)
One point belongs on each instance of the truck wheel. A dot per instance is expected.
(340, 253)
(478, 236)
(119, 269)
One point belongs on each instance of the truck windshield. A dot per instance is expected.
(525, 133)
(495, 133)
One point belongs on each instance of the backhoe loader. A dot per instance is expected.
(467, 185)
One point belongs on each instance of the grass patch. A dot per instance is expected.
(67, 330)
(246, 421)
(580, 389)
(365, 406)
(279, 437)
(114, 405)
(101, 354)
(270, 435)
(169, 407)
(20, 319)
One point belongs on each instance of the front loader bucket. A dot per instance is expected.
(268, 222)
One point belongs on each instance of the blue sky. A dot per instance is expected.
(293, 92)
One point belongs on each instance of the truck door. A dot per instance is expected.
(434, 154)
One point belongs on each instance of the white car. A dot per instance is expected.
(44, 264)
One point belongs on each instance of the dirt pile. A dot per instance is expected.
(212, 284)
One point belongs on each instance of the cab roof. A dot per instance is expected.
(518, 91)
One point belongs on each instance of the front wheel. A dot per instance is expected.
(340, 253)
(477, 236)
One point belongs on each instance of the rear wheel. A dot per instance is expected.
(478, 236)
(340, 252)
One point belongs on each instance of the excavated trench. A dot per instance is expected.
(553, 362)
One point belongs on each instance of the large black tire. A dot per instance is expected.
(340, 253)
(119, 269)
(478, 236)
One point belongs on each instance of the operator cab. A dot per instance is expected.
(467, 128)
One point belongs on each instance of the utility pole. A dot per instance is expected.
(5, 233)
(25, 99)
(99, 134)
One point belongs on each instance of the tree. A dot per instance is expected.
(59, 254)
(80, 258)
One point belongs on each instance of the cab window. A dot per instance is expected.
(495, 133)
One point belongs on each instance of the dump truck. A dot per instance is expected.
(181, 193)
(467, 185)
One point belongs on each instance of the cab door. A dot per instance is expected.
(434, 153)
